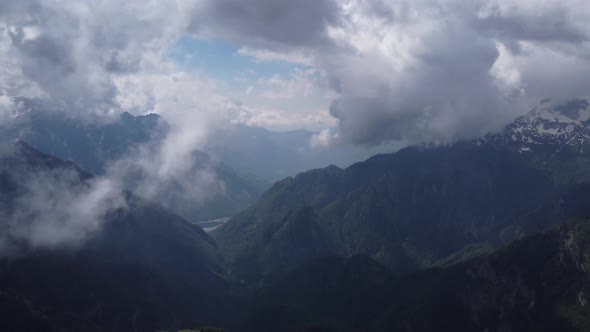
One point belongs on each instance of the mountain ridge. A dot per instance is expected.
(539, 283)
(145, 268)
(408, 209)
(95, 144)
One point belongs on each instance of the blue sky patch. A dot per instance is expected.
(220, 60)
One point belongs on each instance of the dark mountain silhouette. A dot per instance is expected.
(146, 269)
(539, 283)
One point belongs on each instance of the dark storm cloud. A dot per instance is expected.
(267, 22)
(555, 26)
(442, 92)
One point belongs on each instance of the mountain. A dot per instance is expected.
(91, 144)
(554, 137)
(416, 207)
(539, 283)
(144, 269)
(275, 155)
(428, 238)
(148, 269)
(549, 127)
(94, 144)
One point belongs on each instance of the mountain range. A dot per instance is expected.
(274, 155)
(422, 205)
(94, 144)
(458, 237)
(149, 270)
(539, 283)
(146, 269)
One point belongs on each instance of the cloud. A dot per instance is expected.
(545, 21)
(295, 99)
(402, 70)
(420, 70)
(174, 166)
(172, 173)
(105, 58)
(323, 139)
(172, 170)
(280, 119)
(265, 55)
(50, 208)
(427, 74)
(300, 84)
(260, 23)
(68, 52)
(7, 108)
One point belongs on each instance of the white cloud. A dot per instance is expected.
(325, 138)
(54, 209)
(281, 119)
(6, 109)
(68, 52)
(301, 84)
(423, 70)
(399, 70)
(265, 55)
(174, 169)
(101, 58)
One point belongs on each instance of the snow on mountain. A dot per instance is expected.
(548, 125)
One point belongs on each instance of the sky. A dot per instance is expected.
(359, 72)
(285, 95)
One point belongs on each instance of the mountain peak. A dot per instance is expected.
(549, 124)
(150, 118)
(126, 116)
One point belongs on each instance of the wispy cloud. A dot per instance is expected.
(47, 208)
